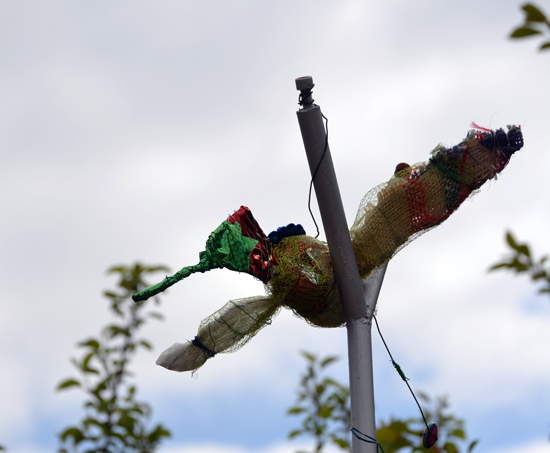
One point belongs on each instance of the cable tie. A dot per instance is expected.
(369, 439)
(207, 352)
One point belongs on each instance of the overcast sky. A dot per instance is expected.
(129, 130)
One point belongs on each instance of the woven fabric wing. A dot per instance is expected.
(422, 196)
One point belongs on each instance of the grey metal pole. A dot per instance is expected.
(358, 322)
(371, 288)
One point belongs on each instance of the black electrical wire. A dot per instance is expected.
(398, 368)
(315, 173)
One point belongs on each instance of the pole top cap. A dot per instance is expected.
(304, 83)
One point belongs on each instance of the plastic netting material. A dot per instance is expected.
(227, 330)
(304, 281)
(422, 196)
(299, 272)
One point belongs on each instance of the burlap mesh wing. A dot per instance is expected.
(422, 196)
(227, 330)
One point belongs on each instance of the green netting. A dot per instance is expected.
(226, 247)
(304, 281)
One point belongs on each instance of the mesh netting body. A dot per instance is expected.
(227, 330)
(304, 281)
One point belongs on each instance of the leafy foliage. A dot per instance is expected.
(396, 435)
(522, 262)
(324, 403)
(535, 22)
(114, 420)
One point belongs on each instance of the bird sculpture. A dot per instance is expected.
(297, 270)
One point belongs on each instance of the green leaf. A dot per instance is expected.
(92, 343)
(329, 381)
(68, 383)
(153, 269)
(86, 361)
(320, 389)
(127, 422)
(533, 13)
(328, 361)
(499, 266)
(145, 344)
(524, 250)
(511, 241)
(450, 447)
(92, 421)
(295, 410)
(544, 46)
(119, 269)
(472, 445)
(117, 330)
(517, 266)
(523, 32)
(137, 410)
(325, 411)
(73, 432)
(159, 432)
(458, 433)
(295, 433)
(392, 438)
(341, 443)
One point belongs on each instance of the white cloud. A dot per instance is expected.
(132, 131)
